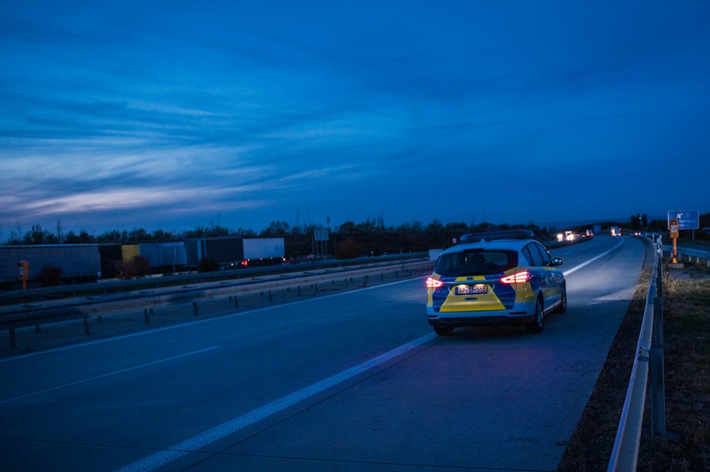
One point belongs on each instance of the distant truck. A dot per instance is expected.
(231, 252)
(78, 262)
(256, 249)
(161, 255)
(615, 231)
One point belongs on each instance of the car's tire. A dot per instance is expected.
(562, 308)
(536, 325)
(443, 330)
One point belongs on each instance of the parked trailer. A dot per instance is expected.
(233, 251)
(272, 249)
(110, 256)
(78, 262)
(89, 262)
(162, 255)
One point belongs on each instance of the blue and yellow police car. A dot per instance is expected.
(495, 278)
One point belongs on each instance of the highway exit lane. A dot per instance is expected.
(481, 398)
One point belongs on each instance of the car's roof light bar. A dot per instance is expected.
(494, 235)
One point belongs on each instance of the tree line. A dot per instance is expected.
(350, 239)
(41, 235)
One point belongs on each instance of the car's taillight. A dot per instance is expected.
(433, 283)
(517, 278)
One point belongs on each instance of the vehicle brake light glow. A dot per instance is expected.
(433, 283)
(517, 278)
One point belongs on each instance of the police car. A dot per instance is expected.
(495, 278)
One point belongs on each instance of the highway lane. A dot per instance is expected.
(352, 381)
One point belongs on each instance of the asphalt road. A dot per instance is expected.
(353, 381)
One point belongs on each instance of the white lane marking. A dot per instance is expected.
(192, 323)
(234, 425)
(109, 374)
(574, 269)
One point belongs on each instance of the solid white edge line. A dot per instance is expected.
(234, 425)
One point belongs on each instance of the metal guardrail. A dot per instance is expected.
(152, 282)
(40, 317)
(690, 253)
(37, 314)
(649, 359)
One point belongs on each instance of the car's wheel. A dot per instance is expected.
(562, 308)
(443, 330)
(536, 325)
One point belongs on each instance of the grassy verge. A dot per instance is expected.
(687, 386)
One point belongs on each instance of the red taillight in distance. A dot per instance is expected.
(433, 283)
(517, 278)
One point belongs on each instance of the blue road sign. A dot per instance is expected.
(687, 219)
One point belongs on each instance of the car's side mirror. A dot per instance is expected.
(557, 261)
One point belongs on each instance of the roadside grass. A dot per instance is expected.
(686, 447)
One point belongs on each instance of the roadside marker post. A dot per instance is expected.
(673, 228)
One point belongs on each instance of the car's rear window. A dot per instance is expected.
(476, 262)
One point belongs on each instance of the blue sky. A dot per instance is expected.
(172, 115)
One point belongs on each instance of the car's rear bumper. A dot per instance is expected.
(454, 322)
(522, 313)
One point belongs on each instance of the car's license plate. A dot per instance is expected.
(471, 289)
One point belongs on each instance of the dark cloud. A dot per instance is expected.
(157, 113)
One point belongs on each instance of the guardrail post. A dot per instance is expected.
(271, 298)
(236, 301)
(146, 315)
(195, 308)
(87, 329)
(13, 338)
